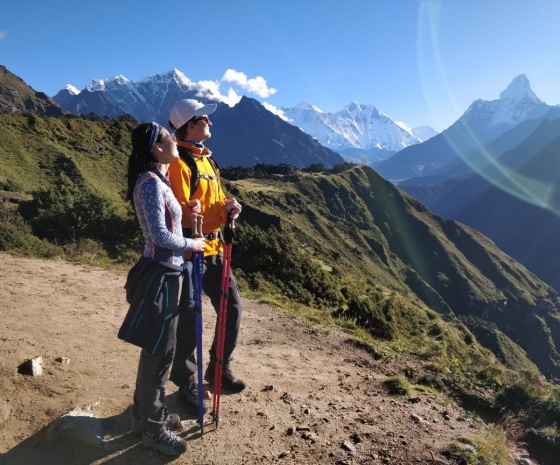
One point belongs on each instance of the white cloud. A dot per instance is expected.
(276, 111)
(233, 97)
(3, 35)
(211, 90)
(212, 86)
(238, 84)
(257, 85)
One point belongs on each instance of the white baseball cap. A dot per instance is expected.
(186, 109)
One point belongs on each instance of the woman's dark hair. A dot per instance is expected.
(141, 159)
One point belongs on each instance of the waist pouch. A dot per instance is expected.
(147, 291)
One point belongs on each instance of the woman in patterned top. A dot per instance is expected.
(159, 214)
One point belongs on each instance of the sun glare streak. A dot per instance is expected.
(436, 89)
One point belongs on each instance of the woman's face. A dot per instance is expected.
(167, 148)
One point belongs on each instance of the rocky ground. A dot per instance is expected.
(312, 396)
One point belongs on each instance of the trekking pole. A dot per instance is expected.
(222, 318)
(196, 227)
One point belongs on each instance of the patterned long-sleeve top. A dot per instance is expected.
(160, 214)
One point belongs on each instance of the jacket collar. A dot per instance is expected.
(197, 150)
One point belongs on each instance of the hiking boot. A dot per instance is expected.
(166, 442)
(172, 423)
(229, 381)
(189, 394)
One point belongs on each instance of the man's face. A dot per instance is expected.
(199, 129)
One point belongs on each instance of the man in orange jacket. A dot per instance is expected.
(190, 120)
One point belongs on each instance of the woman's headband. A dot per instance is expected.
(154, 134)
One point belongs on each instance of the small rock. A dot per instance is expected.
(348, 446)
(268, 387)
(33, 367)
(63, 360)
(309, 437)
(416, 418)
(290, 431)
(78, 427)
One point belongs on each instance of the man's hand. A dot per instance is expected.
(233, 207)
(194, 205)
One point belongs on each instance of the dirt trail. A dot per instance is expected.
(312, 397)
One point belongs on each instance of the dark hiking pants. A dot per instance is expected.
(153, 370)
(184, 363)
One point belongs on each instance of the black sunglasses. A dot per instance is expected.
(196, 119)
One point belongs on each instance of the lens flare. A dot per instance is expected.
(522, 179)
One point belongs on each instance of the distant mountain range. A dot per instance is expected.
(245, 134)
(483, 122)
(360, 133)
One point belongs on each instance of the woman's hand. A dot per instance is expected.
(199, 244)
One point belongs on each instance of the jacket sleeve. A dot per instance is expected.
(153, 206)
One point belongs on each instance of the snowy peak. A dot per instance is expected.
(518, 89)
(357, 127)
(308, 106)
(71, 89)
(489, 119)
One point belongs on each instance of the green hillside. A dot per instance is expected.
(370, 238)
(342, 247)
(36, 150)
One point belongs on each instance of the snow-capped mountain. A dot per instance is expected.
(489, 119)
(148, 99)
(151, 99)
(361, 133)
(356, 129)
(483, 122)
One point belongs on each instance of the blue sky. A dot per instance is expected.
(420, 62)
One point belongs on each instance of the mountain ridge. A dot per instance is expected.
(356, 126)
(481, 123)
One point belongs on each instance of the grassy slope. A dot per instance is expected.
(33, 148)
(375, 237)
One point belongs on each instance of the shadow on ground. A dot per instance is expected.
(82, 439)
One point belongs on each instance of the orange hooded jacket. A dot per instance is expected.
(209, 192)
